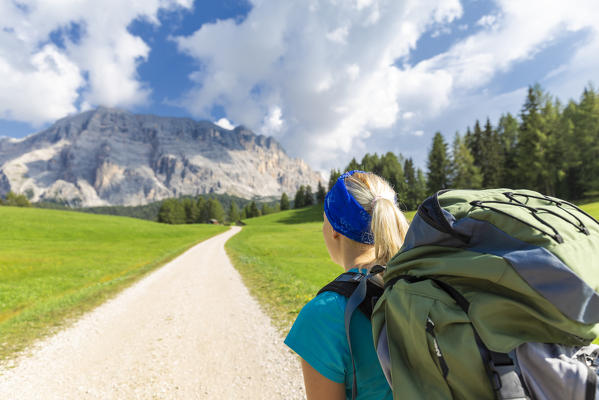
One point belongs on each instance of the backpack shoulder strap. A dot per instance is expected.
(346, 283)
(363, 294)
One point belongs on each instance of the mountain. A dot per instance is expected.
(113, 157)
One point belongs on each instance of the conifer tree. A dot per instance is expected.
(234, 212)
(191, 210)
(300, 197)
(164, 213)
(531, 146)
(172, 211)
(474, 140)
(308, 196)
(335, 174)
(215, 210)
(371, 163)
(253, 210)
(583, 172)
(353, 165)
(438, 165)
(556, 147)
(284, 203)
(203, 214)
(392, 171)
(464, 174)
(320, 193)
(266, 209)
(492, 157)
(410, 197)
(507, 129)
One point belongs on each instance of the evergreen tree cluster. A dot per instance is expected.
(550, 148)
(15, 200)
(191, 211)
(303, 197)
(250, 210)
(205, 210)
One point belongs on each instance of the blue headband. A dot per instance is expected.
(345, 214)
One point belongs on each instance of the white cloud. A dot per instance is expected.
(225, 124)
(273, 122)
(340, 91)
(521, 32)
(42, 82)
(444, 30)
(339, 35)
(487, 21)
(321, 76)
(44, 91)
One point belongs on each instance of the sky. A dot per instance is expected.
(329, 79)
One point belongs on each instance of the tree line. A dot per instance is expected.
(549, 147)
(202, 210)
(304, 197)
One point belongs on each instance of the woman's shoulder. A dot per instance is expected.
(325, 312)
(326, 301)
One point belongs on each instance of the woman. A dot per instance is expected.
(362, 227)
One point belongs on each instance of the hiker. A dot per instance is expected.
(362, 227)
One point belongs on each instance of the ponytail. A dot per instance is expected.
(388, 225)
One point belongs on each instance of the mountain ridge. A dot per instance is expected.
(109, 156)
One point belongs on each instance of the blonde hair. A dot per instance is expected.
(389, 225)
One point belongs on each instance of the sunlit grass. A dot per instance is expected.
(57, 264)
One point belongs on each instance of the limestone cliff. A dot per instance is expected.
(113, 157)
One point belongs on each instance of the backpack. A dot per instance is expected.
(493, 295)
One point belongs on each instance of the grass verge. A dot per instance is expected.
(56, 265)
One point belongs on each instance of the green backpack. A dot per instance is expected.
(481, 275)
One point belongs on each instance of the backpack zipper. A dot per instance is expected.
(430, 328)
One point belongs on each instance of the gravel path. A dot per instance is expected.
(190, 330)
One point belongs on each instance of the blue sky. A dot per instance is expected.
(331, 80)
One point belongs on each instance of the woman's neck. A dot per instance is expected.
(358, 258)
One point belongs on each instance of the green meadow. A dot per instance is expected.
(284, 262)
(55, 265)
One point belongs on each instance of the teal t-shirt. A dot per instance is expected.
(318, 336)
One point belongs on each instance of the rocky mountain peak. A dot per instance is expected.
(108, 156)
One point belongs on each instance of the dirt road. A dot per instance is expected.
(190, 330)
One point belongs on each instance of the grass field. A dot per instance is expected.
(55, 265)
(284, 262)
